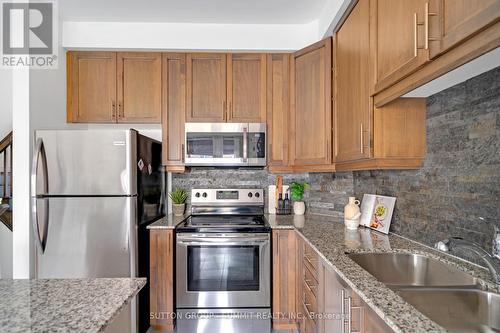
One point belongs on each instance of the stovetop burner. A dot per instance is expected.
(226, 211)
(224, 223)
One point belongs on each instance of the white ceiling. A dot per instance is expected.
(194, 11)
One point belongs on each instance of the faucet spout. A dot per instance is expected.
(491, 261)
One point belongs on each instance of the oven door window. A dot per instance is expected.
(223, 268)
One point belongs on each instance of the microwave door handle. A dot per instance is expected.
(245, 144)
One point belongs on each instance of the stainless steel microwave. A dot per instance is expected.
(225, 144)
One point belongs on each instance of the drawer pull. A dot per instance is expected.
(310, 260)
(306, 305)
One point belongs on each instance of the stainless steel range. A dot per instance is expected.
(223, 263)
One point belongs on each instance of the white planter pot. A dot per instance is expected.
(299, 207)
(178, 209)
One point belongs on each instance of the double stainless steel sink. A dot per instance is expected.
(445, 294)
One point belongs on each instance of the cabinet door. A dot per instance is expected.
(398, 34)
(161, 280)
(284, 278)
(332, 293)
(278, 82)
(246, 88)
(460, 19)
(174, 110)
(311, 116)
(352, 68)
(139, 87)
(206, 87)
(91, 87)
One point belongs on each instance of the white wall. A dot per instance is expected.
(188, 36)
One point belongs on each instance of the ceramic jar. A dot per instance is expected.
(352, 208)
(299, 207)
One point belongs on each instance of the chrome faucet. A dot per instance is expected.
(492, 260)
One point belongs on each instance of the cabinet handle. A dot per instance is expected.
(120, 110)
(415, 33)
(307, 309)
(310, 260)
(426, 23)
(309, 287)
(224, 110)
(342, 310)
(113, 110)
(182, 153)
(361, 138)
(349, 314)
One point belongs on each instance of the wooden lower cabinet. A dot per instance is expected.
(161, 281)
(284, 279)
(325, 303)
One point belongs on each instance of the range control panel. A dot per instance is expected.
(245, 196)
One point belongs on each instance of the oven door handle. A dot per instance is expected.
(189, 243)
(224, 239)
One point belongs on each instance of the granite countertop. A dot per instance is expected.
(168, 222)
(64, 305)
(332, 241)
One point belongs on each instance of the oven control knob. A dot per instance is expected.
(204, 194)
(257, 194)
(197, 194)
(250, 194)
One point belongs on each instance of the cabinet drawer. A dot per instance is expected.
(310, 325)
(311, 259)
(309, 300)
(310, 281)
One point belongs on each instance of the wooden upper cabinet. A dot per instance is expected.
(311, 116)
(457, 20)
(278, 83)
(91, 87)
(174, 110)
(246, 88)
(352, 69)
(139, 87)
(398, 39)
(206, 87)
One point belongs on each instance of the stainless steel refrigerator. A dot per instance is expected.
(93, 194)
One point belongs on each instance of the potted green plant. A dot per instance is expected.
(179, 197)
(297, 192)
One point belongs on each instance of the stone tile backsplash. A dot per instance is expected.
(327, 195)
(459, 183)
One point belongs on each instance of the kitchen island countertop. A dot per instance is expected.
(64, 305)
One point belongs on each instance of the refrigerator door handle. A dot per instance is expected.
(39, 157)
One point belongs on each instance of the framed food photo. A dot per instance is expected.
(376, 212)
